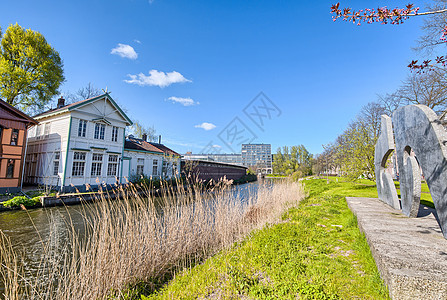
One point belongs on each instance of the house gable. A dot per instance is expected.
(104, 108)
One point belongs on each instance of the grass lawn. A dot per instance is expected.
(315, 252)
(367, 188)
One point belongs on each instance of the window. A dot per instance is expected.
(155, 167)
(10, 169)
(140, 166)
(78, 164)
(174, 168)
(164, 168)
(99, 131)
(96, 164)
(56, 159)
(113, 165)
(38, 131)
(114, 134)
(47, 129)
(82, 128)
(14, 137)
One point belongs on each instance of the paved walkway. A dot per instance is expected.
(411, 253)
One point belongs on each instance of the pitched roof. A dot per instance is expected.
(166, 150)
(133, 143)
(77, 104)
(9, 112)
(60, 109)
(139, 144)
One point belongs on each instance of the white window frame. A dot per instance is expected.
(82, 128)
(112, 165)
(56, 160)
(115, 134)
(97, 159)
(140, 166)
(155, 167)
(38, 131)
(99, 131)
(47, 129)
(78, 168)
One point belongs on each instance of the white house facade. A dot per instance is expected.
(77, 144)
(149, 159)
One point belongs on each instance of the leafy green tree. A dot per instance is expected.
(354, 149)
(294, 160)
(31, 71)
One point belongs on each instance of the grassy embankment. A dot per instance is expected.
(315, 251)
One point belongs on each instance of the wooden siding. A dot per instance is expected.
(42, 148)
(11, 152)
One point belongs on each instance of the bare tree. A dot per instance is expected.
(87, 92)
(390, 102)
(138, 129)
(370, 117)
(429, 89)
(434, 27)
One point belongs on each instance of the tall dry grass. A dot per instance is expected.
(138, 238)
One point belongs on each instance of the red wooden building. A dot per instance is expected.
(13, 129)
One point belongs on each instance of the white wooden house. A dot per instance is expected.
(149, 159)
(77, 144)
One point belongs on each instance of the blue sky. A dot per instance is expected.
(210, 59)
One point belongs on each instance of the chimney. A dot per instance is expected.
(144, 137)
(159, 139)
(60, 102)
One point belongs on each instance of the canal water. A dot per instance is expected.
(28, 230)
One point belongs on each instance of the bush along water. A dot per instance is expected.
(17, 201)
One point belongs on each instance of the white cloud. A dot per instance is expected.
(217, 146)
(137, 41)
(125, 51)
(206, 126)
(183, 101)
(157, 78)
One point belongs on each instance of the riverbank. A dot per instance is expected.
(314, 251)
(136, 239)
(144, 187)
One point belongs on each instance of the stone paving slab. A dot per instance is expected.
(410, 253)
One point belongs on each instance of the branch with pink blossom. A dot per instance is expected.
(394, 16)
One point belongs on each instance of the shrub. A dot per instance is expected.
(25, 201)
(297, 175)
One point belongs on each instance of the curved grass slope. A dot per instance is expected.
(315, 252)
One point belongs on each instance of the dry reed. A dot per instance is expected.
(139, 237)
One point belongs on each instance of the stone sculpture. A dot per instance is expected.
(416, 129)
(384, 147)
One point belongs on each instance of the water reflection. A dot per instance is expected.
(30, 230)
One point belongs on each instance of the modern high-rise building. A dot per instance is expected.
(258, 156)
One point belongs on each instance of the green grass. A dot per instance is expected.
(315, 252)
(367, 188)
